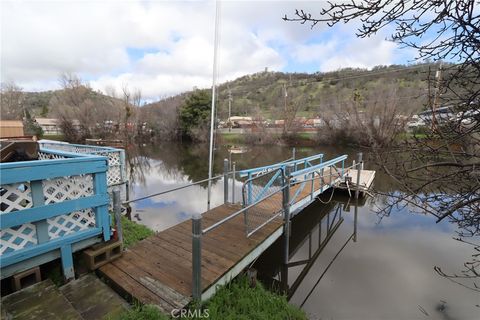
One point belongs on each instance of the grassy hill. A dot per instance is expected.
(263, 93)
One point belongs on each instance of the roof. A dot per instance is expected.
(11, 123)
(47, 121)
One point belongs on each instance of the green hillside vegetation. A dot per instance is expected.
(311, 94)
(342, 94)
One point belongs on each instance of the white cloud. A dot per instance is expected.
(42, 39)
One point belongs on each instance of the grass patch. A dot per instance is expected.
(231, 302)
(404, 136)
(307, 135)
(146, 312)
(238, 301)
(57, 137)
(134, 232)
(233, 138)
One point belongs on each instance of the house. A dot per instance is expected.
(11, 128)
(49, 126)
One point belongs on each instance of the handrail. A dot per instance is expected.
(88, 146)
(233, 215)
(174, 189)
(318, 166)
(245, 172)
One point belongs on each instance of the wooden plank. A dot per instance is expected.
(136, 267)
(211, 261)
(161, 264)
(130, 286)
(179, 300)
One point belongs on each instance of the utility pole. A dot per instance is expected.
(285, 107)
(229, 109)
(438, 77)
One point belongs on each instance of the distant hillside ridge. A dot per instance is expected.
(269, 94)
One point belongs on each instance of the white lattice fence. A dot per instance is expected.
(69, 188)
(16, 197)
(116, 165)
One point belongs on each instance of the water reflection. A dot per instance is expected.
(387, 274)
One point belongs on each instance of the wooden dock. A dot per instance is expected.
(158, 270)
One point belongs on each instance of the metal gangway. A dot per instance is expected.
(190, 260)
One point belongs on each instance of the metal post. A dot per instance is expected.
(355, 221)
(359, 170)
(293, 157)
(225, 180)
(233, 182)
(127, 190)
(286, 224)
(117, 209)
(197, 257)
(312, 187)
(330, 177)
(249, 187)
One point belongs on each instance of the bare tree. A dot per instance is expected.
(448, 159)
(83, 113)
(131, 104)
(11, 101)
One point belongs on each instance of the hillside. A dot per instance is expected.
(263, 93)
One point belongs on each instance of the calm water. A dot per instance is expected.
(366, 267)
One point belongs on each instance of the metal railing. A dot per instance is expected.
(259, 204)
(266, 196)
(259, 194)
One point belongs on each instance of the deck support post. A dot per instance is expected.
(225, 180)
(67, 262)
(117, 208)
(359, 171)
(233, 182)
(197, 258)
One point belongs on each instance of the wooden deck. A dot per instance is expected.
(158, 270)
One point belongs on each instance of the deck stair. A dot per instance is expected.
(86, 298)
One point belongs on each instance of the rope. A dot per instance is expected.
(331, 197)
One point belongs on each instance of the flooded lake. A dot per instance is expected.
(345, 263)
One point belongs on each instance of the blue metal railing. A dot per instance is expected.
(252, 194)
(51, 208)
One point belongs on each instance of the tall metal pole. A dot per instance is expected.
(212, 111)
(359, 171)
(225, 180)
(233, 182)
(197, 257)
(229, 109)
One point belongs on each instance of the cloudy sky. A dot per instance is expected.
(166, 47)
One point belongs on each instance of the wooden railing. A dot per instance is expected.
(51, 208)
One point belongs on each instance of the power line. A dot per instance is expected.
(372, 73)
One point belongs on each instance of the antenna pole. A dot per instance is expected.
(212, 112)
